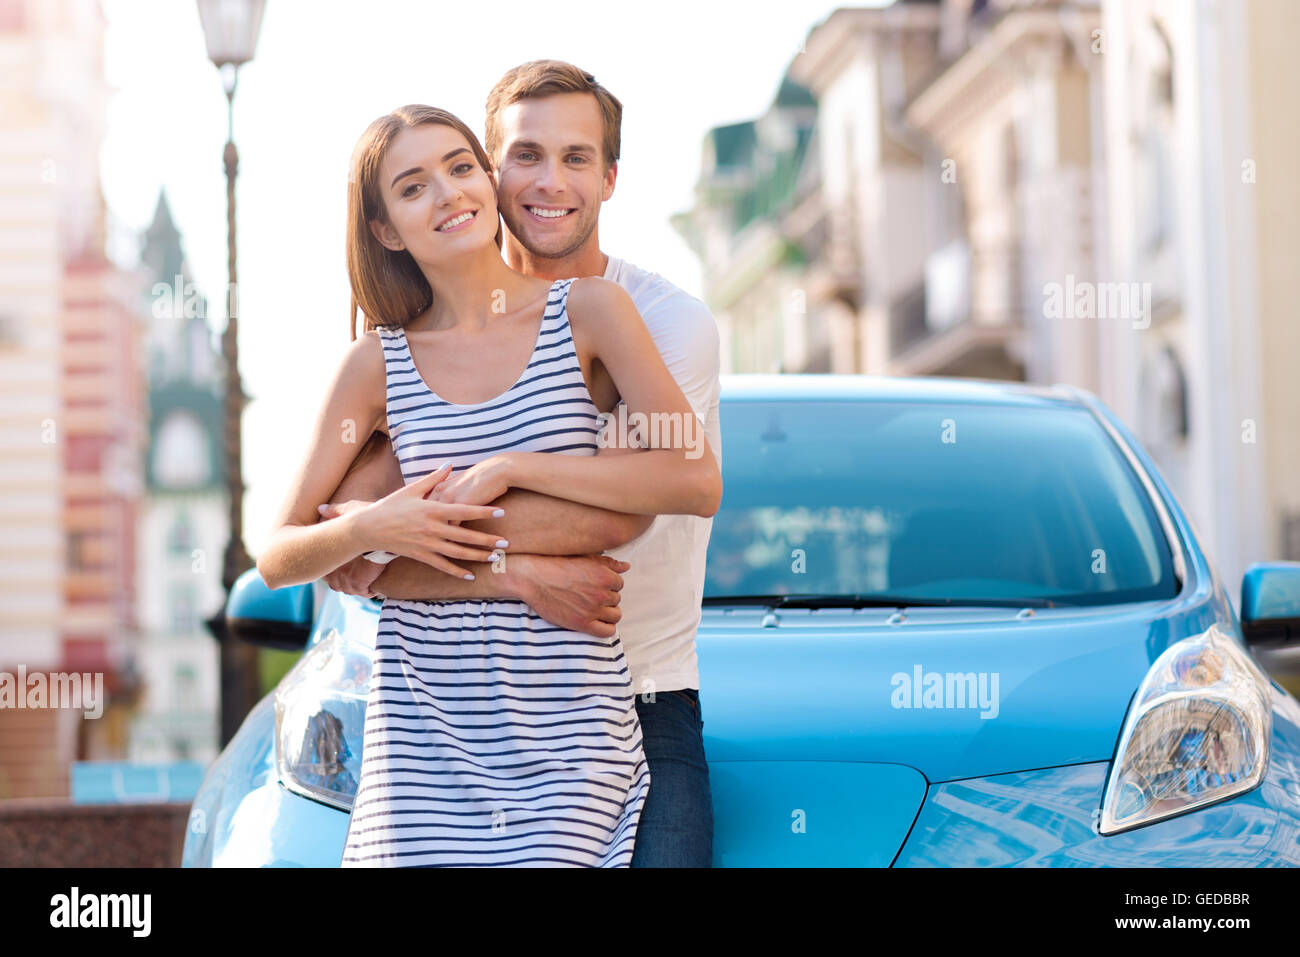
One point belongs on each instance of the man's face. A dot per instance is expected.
(551, 176)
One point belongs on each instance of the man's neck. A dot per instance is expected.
(588, 261)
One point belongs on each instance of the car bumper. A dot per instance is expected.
(244, 817)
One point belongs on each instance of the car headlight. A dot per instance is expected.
(1198, 732)
(320, 715)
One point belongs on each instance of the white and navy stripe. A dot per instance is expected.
(493, 737)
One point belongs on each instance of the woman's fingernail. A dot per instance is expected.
(321, 508)
(469, 577)
(442, 466)
(495, 556)
(502, 543)
(499, 513)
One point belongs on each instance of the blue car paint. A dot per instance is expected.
(812, 763)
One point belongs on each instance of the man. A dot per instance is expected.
(553, 134)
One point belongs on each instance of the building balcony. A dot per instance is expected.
(963, 320)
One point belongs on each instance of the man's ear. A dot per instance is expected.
(386, 235)
(611, 174)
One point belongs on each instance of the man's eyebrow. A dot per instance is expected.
(420, 169)
(534, 145)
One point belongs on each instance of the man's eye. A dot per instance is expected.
(580, 159)
(525, 155)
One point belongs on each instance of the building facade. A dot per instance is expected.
(1082, 191)
(71, 404)
(183, 518)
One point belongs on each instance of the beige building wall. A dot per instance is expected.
(1274, 81)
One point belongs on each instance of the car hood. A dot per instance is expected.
(1050, 687)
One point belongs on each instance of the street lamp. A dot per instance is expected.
(230, 29)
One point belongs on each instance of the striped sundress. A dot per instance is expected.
(492, 737)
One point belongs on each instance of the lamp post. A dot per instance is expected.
(230, 29)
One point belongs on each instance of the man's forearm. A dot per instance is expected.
(536, 523)
(545, 525)
(407, 578)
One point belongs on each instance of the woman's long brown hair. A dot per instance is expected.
(387, 285)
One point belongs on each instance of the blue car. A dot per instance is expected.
(947, 622)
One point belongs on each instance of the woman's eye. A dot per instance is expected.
(462, 168)
(410, 190)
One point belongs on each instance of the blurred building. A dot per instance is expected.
(71, 399)
(1084, 191)
(1203, 204)
(1007, 128)
(183, 519)
(757, 187)
(806, 219)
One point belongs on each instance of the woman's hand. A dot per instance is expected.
(405, 522)
(479, 484)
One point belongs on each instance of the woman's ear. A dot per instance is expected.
(386, 235)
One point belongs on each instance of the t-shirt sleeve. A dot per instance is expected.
(687, 336)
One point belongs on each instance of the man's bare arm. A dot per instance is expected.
(534, 523)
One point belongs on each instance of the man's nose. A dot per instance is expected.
(550, 177)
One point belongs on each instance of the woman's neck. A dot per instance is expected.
(470, 290)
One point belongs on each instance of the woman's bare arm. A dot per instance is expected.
(535, 523)
(677, 475)
(301, 549)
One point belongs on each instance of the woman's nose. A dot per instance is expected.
(448, 193)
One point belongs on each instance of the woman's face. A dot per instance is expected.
(440, 203)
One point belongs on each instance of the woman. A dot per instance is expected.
(492, 737)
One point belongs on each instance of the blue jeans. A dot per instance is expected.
(676, 825)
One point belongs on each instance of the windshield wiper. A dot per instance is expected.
(873, 601)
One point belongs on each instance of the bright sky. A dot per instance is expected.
(322, 72)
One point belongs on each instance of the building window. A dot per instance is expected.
(184, 687)
(180, 539)
(78, 555)
(182, 603)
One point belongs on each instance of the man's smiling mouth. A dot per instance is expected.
(541, 212)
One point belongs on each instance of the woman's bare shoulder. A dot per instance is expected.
(596, 299)
(361, 380)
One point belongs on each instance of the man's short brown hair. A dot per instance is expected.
(539, 78)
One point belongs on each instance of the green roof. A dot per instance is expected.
(794, 94)
(733, 145)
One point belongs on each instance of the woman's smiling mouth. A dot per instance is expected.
(456, 221)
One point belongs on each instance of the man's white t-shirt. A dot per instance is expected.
(662, 591)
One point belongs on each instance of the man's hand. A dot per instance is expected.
(356, 577)
(578, 592)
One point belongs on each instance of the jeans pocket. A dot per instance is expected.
(685, 695)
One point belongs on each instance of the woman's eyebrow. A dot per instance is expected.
(420, 169)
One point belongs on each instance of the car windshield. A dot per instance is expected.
(932, 501)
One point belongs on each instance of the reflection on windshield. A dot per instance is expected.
(963, 502)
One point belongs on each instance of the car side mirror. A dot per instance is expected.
(273, 618)
(1270, 603)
